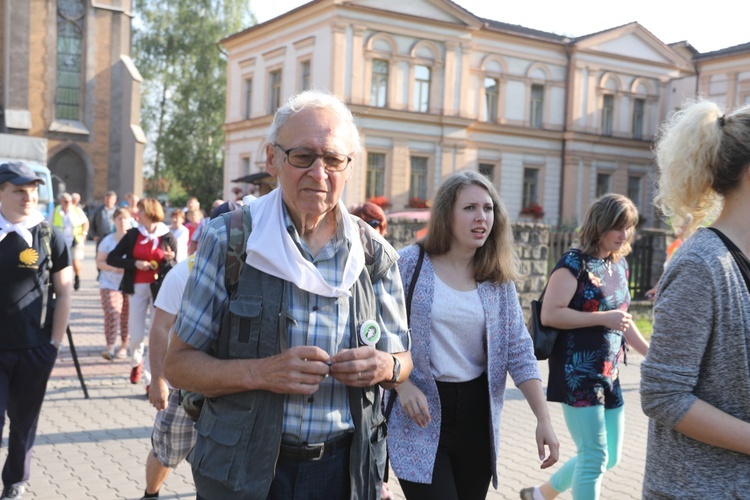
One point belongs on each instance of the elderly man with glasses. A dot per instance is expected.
(291, 361)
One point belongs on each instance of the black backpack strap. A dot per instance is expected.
(45, 237)
(239, 225)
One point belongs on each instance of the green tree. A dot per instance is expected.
(184, 88)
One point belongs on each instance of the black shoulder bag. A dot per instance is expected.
(544, 337)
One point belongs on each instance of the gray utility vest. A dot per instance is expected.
(239, 434)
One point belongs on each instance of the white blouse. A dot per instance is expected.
(458, 351)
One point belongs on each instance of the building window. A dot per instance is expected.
(248, 98)
(608, 112)
(536, 105)
(68, 91)
(634, 189)
(375, 175)
(603, 184)
(487, 170)
(379, 91)
(530, 187)
(422, 88)
(245, 165)
(274, 93)
(304, 78)
(638, 107)
(491, 90)
(418, 179)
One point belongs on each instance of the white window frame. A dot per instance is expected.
(274, 90)
(491, 109)
(638, 117)
(369, 193)
(608, 114)
(422, 89)
(378, 81)
(536, 105)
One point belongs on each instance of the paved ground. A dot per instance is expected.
(96, 448)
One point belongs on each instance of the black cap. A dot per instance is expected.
(18, 173)
(225, 207)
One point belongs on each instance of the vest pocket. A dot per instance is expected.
(244, 323)
(216, 454)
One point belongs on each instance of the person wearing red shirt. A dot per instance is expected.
(146, 253)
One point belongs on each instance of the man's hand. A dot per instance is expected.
(362, 366)
(158, 393)
(298, 370)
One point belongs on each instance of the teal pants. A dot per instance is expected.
(598, 435)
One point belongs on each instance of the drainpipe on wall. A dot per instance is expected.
(563, 149)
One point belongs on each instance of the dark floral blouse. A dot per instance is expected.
(583, 367)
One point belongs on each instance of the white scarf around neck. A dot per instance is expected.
(20, 228)
(270, 249)
(161, 230)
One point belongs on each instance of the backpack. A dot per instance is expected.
(238, 228)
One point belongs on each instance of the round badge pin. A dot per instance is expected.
(369, 332)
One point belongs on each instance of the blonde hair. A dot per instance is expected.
(151, 208)
(701, 155)
(496, 260)
(608, 212)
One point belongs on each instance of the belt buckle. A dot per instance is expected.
(321, 447)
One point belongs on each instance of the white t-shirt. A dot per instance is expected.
(170, 293)
(182, 235)
(109, 280)
(458, 347)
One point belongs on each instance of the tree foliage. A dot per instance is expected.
(184, 88)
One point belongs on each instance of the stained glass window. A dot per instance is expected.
(68, 95)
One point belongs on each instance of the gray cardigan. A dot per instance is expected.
(700, 350)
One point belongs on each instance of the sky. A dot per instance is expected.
(706, 26)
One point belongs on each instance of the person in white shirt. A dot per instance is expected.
(180, 233)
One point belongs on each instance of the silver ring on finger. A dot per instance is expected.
(359, 375)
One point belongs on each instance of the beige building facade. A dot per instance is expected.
(66, 75)
(553, 121)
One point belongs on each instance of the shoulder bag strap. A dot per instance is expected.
(409, 295)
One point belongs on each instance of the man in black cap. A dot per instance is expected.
(34, 311)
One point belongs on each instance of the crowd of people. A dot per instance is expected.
(296, 325)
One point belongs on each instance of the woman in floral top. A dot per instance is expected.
(588, 298)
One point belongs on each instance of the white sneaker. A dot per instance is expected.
(13, 492)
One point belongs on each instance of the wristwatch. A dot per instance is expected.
(56, 344)
(396, 370)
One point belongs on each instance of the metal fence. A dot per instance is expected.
(642, 259)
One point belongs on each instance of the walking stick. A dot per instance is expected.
(75, 362)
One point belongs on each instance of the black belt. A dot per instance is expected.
(311, 452)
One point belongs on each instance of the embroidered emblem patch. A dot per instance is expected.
(29, 256)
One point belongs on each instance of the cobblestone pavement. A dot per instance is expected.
(96, 448)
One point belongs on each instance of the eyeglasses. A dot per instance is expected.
(304, 158)
(374, 223)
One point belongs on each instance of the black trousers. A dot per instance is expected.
(23, 382)
(463, 468)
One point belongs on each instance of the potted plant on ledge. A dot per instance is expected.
(533, 211)
(418, 203)
(380, 201)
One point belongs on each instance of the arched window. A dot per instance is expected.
(68, 95)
